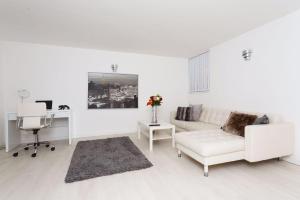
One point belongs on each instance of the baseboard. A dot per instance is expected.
(292, 160)
(103, 136)
(75, 139)
(29, 138)
(103, 133)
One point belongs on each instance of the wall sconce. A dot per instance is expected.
(23, 94)
(247, 54)
(114, 67)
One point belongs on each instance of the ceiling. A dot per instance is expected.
(179, 28)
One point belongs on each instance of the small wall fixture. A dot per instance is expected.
(114, 67)
(247, 54)
(23, 94)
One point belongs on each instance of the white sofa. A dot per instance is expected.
(206, 142)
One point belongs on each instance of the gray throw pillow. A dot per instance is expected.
(179, 114)
(188, 115)
(183, 113)
(261, 120)
(195, 112)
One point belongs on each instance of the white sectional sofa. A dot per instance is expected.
(206, 142)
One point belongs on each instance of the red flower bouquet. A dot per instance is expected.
(154, 101)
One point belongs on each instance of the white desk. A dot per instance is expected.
(12, 134)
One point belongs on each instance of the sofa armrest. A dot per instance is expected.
(172, 116)
(269, 141)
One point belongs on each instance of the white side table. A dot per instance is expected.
(146, 129)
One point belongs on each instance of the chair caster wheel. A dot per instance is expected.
(15, 154)
(26, 148)
(52, 148)
(33, 155)
(47, 145)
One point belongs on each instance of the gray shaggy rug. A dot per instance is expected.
(104, 157)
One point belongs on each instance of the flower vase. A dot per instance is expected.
(154, 115)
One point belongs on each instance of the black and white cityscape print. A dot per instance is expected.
(112, 90)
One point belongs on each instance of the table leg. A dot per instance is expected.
(150, 140)
(173, 137)
(139, 131)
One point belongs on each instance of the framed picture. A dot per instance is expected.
(112, 90)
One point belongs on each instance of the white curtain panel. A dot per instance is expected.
(199, 73)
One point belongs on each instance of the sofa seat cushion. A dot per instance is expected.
(210, 142)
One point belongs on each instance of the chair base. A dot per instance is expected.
(35, 145)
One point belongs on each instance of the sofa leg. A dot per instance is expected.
(278, 159)
(179, 153)
(206, 170)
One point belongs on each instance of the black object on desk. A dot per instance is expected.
(48, 103)
(63, 107)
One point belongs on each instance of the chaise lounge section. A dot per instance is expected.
(206, 142)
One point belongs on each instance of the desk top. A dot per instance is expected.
(57, 114)
(48, 111)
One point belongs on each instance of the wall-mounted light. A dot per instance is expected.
(23, 94)
(247, 54)
(114, 67)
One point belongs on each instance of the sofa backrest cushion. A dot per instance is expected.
(219, 116)
(273, 118)
(214, 115)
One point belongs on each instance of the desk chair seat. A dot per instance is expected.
(33, 117)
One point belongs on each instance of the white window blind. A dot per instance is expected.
(199, 73)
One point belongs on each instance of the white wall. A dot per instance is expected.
(269, 82)
(60, 73)
(1, 98)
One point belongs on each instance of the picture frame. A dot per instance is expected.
(112, 90)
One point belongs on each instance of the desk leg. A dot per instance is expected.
(70, 129)
(150, 140)
(12, 135)
(173, 137)
(139, 131)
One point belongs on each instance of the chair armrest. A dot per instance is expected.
(264, 142)
(50, 122)
(19, 120)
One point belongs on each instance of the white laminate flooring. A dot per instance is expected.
(42, 178)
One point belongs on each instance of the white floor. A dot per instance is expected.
(42, 178)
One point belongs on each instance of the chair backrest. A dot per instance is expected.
(32, 114)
